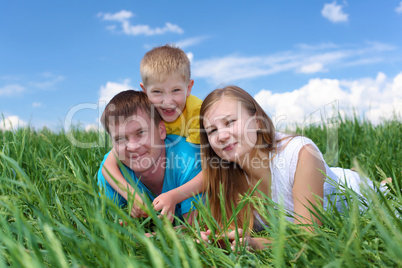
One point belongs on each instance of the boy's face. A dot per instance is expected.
(139, 143)
(168, 96)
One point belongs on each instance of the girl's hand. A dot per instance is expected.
(244, 238)
(205, 236)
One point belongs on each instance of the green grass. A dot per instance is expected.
(51, 213)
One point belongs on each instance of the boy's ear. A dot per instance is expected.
(190, 86)
(162, 129)
(143, 87)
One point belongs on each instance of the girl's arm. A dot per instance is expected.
(167, 201)
(308, 183)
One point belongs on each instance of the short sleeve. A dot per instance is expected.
(110, 193)
(186, 160)
(193, 106)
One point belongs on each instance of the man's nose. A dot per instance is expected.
(132, 146)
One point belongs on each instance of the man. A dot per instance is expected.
(156, 162)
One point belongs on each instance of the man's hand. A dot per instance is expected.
(167, 203)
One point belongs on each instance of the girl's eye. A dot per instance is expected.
(212, 131)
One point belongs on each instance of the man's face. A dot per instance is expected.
(169, 96)
(139, 143)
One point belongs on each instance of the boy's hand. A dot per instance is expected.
(136, 211)
(165, 202)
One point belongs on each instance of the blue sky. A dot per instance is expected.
(60, 61)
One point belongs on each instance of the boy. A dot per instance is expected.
(151, 158)
(165, 74)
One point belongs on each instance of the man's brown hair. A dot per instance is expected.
(125, 104)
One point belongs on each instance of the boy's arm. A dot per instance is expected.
(120, 184)
(167, 201)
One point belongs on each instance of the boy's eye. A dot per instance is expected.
(176, 90)
(156, 91)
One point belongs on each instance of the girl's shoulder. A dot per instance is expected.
(289, 146)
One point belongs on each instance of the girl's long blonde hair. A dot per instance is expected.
(231, 177)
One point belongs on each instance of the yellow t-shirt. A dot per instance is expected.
(187, 124)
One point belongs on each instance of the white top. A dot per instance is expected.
(283, 168)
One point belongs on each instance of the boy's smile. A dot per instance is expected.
(169, 96)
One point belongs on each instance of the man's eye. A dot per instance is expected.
(120, 139)
(141, 133)
(230, 122)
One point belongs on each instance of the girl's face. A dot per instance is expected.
(231, 130)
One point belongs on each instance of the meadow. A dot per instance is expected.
(51, 214)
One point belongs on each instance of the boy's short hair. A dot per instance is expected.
(125, 104)
(163, 61)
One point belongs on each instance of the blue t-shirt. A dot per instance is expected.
(183, 163)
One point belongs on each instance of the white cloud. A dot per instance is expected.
(334, 13)
(91, 127)
(123, 18)
(364, 61)
(399, 8)
(36, 104)
(190, 56)
(377, 98)
(9, 90)
(108, 91)
(12, 122)
(304, 59)
(312, 68)
(147, 30)
(119, 16)
(51, 80)
(318, 46)
(190, 41)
